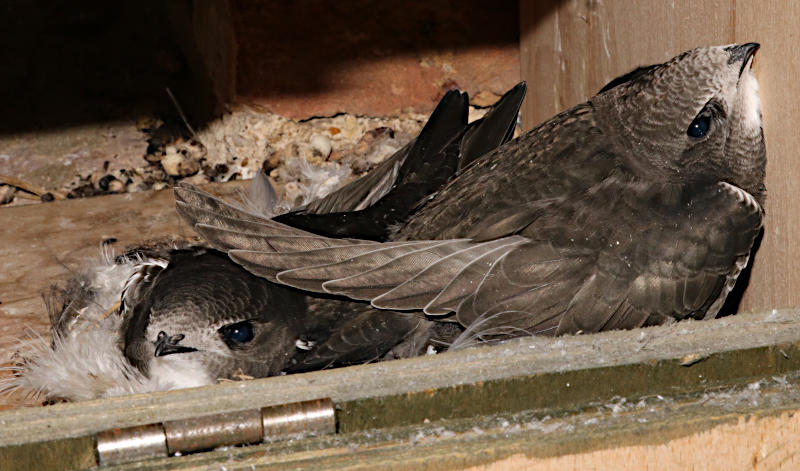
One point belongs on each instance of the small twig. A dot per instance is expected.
(27, 196)
(111, 310)
(181, 114)
(108, 312)
(237, 375)
(30, 188)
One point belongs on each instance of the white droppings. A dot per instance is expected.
(311, 181)
(183, 371)
(772, 316)
(320, 145)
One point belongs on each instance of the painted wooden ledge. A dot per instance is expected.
(474, 407)
(530, 378)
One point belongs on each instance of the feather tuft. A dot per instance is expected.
(84, 359)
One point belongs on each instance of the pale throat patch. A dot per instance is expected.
(751, 104)
(181, 370)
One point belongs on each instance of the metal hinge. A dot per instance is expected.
(123, 445)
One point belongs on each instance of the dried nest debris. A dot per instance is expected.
(12, 187)
(305, 159)
(302, 157)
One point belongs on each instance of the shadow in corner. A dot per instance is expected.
(67, 63)
(731, 305)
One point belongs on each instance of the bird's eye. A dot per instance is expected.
(238, 333)
(699, 127)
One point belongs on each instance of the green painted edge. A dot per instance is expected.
(393, 449)
(567, 390)
(553, 393)
(56, 455)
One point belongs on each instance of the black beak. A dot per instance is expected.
(168, 344)
(742, 53)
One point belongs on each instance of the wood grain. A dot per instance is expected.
(765, 444)
(776, 269)
(570, 49)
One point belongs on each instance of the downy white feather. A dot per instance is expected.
(84, 360)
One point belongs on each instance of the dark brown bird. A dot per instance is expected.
(638, 207)
(203, 316)
(189, 316)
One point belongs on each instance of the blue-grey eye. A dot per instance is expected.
(699, 127)
(238, 333)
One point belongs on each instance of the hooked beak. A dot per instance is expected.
(743, 53)
(168, 344)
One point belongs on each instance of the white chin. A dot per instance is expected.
(750, 100)
(182, 370)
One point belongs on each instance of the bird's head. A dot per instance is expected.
(204, 318)
(694, 117)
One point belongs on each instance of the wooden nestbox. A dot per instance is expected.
(713, 394)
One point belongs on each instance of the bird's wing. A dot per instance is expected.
(661, 266)
(244, 230)
(495, 128)
(434, 275)
(364, 335)
(520, 284)
(363, 192)
(505, 286)
(447, 122)
(446, 144)
(425, 171)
